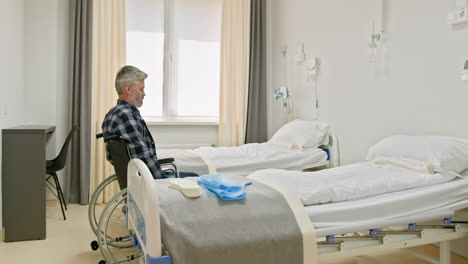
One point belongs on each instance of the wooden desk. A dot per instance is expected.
(23, 181)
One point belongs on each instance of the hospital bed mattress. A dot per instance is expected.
(396, 208)
(363, 196)
(245, 159)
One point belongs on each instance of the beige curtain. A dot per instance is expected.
(235, 39)
(108, 56)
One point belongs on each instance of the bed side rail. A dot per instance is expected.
(144, 208)
(333, 150)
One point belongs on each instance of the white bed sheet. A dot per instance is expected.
(396, 208)
(430, 202)
(347, 182)
(248, 158)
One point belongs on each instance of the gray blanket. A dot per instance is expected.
(185, 160)
(259, 229)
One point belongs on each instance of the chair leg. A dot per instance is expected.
(59, 193)
(59, 187)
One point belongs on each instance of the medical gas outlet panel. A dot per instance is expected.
(459, 14)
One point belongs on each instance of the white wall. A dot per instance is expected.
(11, 68)
(413, 88)
(40, 55)
(35, 65)
(46, 67)
(63, 89)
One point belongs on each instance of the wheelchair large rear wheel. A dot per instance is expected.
(114, 238)
(95, 210)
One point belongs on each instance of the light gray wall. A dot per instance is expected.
(11, 68)
(413, 88)
(40, 53)
(47, 62)
(35, 65)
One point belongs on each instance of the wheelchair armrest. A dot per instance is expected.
(113, 137)
(165, 161)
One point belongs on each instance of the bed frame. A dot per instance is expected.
(145, 223)
(380, 240)
(333, 152)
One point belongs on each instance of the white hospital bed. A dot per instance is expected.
(431, 201)
(248, 158)
(332, 219)
(298, 145)
(401, 206)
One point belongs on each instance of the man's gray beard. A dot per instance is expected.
(137, 103)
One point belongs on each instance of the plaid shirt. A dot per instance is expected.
(124, 120)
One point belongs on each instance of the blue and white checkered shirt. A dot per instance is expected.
(125, 120)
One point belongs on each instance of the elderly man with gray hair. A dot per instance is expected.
(124, 119)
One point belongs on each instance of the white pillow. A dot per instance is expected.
(301, 134)
(445, 153)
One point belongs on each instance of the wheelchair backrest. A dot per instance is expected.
(120, 157)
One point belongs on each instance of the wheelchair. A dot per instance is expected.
(109, 224)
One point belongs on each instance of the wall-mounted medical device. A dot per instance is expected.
(464, 74)
(300, 55)
(281, 93)
(312, 69)
(377, 35)
(459, 14)
(373, 44)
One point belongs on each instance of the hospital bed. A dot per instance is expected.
(380, 208)
(248, 158)
(297, 145)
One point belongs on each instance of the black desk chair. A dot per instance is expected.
(52, 166)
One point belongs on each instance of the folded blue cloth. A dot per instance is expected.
(223, 187)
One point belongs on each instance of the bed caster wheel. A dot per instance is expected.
(95, 246)
(102, 262)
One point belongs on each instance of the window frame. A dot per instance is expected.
(169, 104)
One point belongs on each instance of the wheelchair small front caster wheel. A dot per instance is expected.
(95, 246)
(102, 262)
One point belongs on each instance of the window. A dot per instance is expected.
(177, 42)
